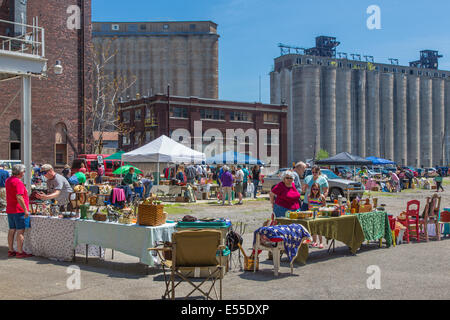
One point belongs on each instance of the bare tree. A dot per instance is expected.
(108, 88)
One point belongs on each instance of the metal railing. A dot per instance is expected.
(23, 38)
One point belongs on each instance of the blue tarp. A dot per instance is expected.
(379, 161)
(232, 157)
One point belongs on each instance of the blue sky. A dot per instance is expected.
(250, 31)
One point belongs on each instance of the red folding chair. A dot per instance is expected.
(412, 219)
(392, 222)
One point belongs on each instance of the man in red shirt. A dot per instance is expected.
(17, 209)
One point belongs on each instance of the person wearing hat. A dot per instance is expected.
(58, 187)
(239, 187)
(66, 172)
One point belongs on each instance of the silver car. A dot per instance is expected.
(337, 186)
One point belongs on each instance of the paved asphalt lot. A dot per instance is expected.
(408, 271)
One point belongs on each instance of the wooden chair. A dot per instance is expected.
(431, 217)
(412, 219)
(193, 253)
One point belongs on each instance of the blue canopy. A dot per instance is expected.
(232, 157)
(379, 161)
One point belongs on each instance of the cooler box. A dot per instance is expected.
(222, 225)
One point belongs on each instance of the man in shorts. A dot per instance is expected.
(17, 208)
(239, 187)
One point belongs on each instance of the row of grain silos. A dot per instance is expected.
(368, 113)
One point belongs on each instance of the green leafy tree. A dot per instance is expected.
(323, 154)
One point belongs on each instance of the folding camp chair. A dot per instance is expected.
(192, 252)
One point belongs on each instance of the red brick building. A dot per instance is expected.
(58, 101)
(145, 119)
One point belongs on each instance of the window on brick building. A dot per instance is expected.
(178, 112)
(211, 114)
(126, 116)
(138, 115)
(241, 116)
(148, 112)
(60, 145)
(137, 138)
(126, 139)
(15, 138)
(271, 118)
(149, 136)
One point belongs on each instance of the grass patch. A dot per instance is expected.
(176, 209)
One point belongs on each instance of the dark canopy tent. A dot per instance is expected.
(345, 159)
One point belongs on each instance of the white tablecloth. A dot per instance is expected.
(133, 240)
(50, 237)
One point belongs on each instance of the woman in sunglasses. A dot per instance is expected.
(284, 196)
(318, 178)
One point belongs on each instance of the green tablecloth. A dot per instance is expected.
(375, 226)
(346, 229)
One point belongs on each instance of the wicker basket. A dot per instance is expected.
(99, 217)
(151, 215)
(93, 200)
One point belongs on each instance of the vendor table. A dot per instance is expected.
(133, 240)
(50, 237)
(352, 230)
(346, 229)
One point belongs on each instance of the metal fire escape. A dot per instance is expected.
(22, 55)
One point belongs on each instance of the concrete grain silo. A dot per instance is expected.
(361, 112)
(387, 115)
(343, 110)
(426, 123)
(438, 121)
(386, 110)
(328, 110)
(400, 120)
(373, 113)
(447, 121)
(308, 99)
(413, 120)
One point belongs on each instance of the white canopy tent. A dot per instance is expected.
(164, 150)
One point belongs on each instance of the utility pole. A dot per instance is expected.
(168, 110)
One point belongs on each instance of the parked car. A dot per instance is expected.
(430, 172)
(337, 186)
(271, 180)
(444, 170)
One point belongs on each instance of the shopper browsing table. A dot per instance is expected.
(316, 177)
(284, 196)
(17, 209)
(58, 188)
